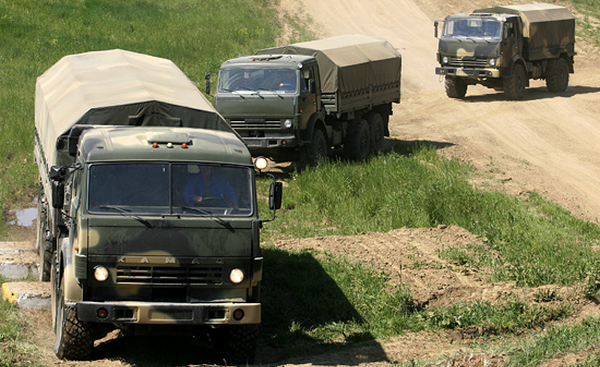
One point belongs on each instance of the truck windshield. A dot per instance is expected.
(258, 80)
(151, 188)
(472, 27)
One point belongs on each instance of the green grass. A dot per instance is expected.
(196, 35)
(580, 338)
(346, 302)
(16, 346)
(539, 242)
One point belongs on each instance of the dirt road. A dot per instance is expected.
(547, 142)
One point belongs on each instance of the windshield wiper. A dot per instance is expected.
(206, 213)
(127, 213)
(234, 91)
(271, 90)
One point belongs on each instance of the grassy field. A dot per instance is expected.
(539, 242)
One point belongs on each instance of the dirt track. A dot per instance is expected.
(547, 143)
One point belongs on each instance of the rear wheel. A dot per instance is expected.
(377, 132)
(455, 87)
(558, 75)
(74, 339)
(43, 246)
(358, 141)
(514, 86)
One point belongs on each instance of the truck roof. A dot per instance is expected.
(349, 62)
(117, 87)
(126, 143)
(532, 13)
(283, 61)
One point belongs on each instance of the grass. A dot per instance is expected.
(16, 348)
(539, 242)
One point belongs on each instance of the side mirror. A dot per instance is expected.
(275, 192)
(435, 28)
(207, 78)
(58, 194)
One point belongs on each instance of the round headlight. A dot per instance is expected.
(287, 124)
(100, 273)
(445, 59)
(260, 163)
(493, 62)
(236, 276)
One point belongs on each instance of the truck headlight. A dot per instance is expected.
(100, 273)
(236, 276)
(445, 60)
(492, 62)
(260, 163)
(287, 124)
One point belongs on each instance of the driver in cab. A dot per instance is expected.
(207, 186)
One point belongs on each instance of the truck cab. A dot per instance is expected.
(271, 101)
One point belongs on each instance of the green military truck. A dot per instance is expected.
(503, 47)
(303, 101)
(133, 233)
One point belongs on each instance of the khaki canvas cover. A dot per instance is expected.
(349, 63)
(116, 87)
(546, 25)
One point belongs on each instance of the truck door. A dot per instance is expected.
(308, 95)
(512, 44)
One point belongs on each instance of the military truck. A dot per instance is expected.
(123, 142)
(503, 47)
(301, 102)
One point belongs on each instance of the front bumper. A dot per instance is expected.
(163, 313)
(471, 73)
(271, 142)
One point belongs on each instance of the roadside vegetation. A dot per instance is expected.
(538, 242)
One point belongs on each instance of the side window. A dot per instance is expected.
(508, 30)
(304, 82)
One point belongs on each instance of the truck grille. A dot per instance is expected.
(170, 275)
(469, 62)
(255, 124)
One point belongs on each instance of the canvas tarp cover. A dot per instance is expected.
(546, 25)
(349, 63)
(117, 87)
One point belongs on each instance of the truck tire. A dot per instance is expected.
(358, 140)
(455, 87)
(557, 79)
(377, 132)
(237, 343)
(43, 246)
(514, 86)
(74, 339)
(313, 153)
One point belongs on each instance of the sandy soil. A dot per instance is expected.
(547, 143)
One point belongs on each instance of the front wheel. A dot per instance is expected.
(237, 343)
(455, 87)
(73, 338)
(514, 86)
